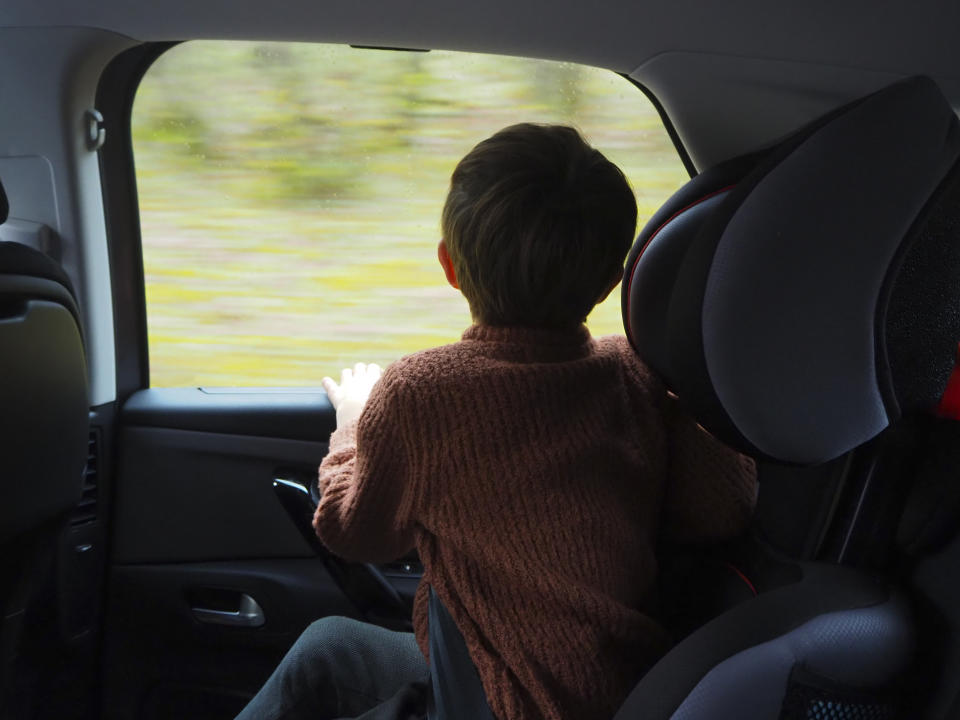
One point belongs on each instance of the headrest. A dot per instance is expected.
(21, 266)
(4, 205)
(801, 299)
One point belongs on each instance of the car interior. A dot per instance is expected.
(797, 289)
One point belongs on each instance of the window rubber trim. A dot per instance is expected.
(667, 124)
(115, 96)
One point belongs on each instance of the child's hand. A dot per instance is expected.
(351, 394)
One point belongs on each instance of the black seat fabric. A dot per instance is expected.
(802, 299)
(455, 688)
(838, 624)
(20, 261)
(44, 411)
(799, 301)
(43, 392)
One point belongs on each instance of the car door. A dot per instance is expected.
(279, 223)
(211, 576)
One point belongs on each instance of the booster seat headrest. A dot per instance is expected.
(801, 299)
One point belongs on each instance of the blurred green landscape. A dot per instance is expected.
(290, 196)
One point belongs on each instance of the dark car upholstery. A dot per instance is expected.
(806, 297)
(43, 430)
(800, 301)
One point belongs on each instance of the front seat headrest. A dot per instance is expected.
(801, 299)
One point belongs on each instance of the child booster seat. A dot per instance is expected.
(800, 301)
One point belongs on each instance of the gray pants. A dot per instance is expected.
(341, 668)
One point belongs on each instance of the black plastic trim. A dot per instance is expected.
(668, 124)
(389, 48)
(363, 583)
(306, 415)
(876, 487)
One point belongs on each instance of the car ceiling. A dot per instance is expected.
(731, 75)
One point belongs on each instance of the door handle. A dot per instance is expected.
(249, 614)
(309, 488)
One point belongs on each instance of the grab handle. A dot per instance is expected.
(249, 614)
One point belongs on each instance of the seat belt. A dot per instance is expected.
(455, 689)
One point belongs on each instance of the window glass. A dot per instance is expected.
(290, 196)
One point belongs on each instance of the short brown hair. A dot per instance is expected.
(537, 224)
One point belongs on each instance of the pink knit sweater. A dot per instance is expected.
(535, 472)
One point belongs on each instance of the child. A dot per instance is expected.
(534, 468)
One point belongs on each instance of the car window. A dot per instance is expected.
(290, 196)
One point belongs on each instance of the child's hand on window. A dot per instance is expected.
(351, 394)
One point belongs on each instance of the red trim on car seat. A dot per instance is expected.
(657, 232)
(949, 406)
(743, 577)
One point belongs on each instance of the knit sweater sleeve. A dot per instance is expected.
(711, 489)
(365, 511)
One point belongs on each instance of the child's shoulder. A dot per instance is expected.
(432, 363)
(618, 345)
(638, 371)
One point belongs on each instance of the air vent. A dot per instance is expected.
(86, 511)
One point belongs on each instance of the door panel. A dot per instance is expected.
(187, 495)
(200, 537)
(162, 661)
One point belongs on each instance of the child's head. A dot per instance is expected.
(537, 225)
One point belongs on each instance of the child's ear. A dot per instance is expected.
(447, 264)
